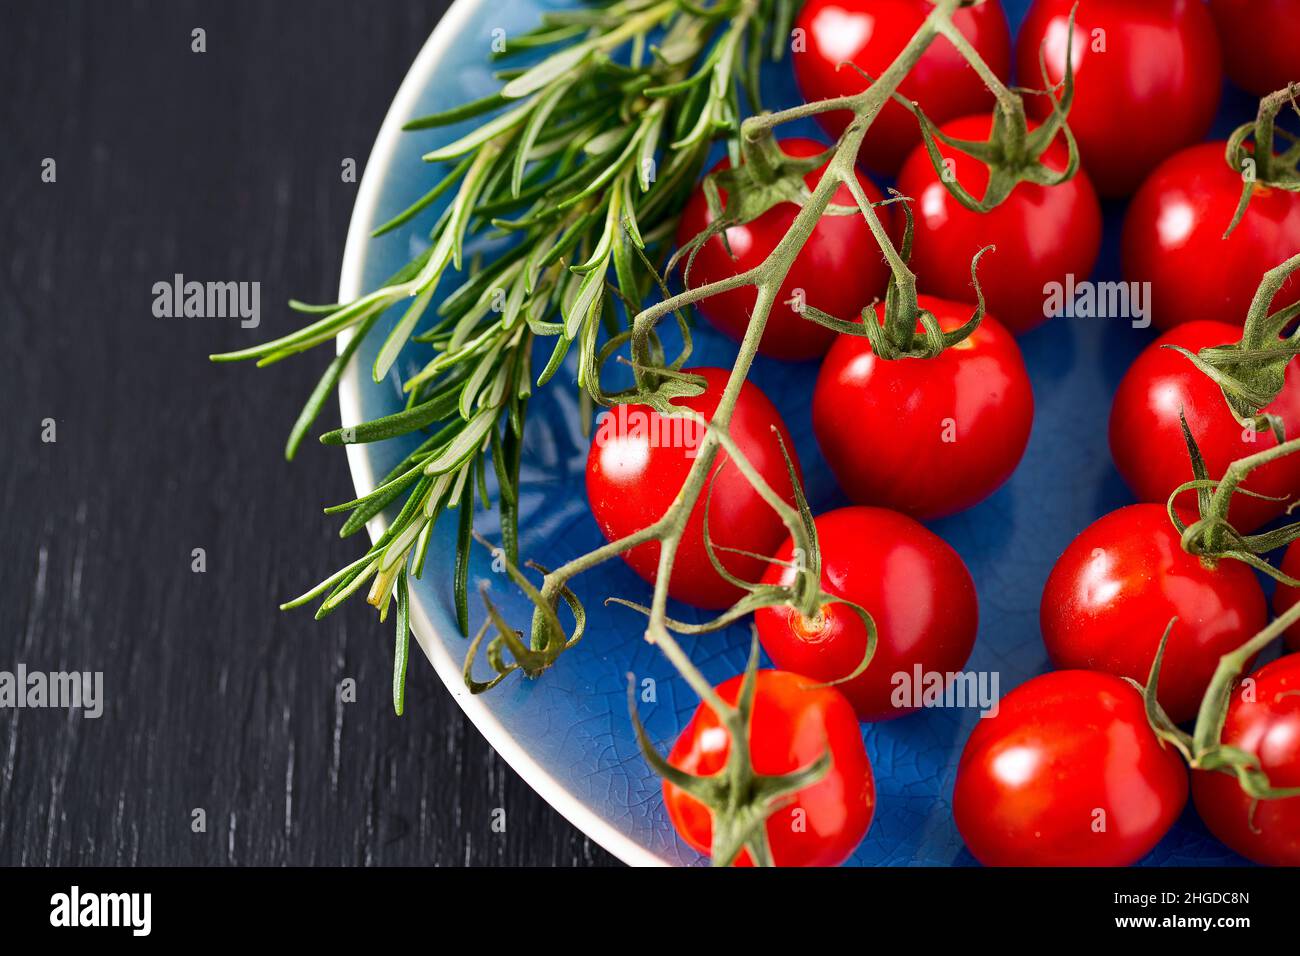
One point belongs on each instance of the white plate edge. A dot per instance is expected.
(363, 477)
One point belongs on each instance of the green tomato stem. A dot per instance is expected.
(767, 277)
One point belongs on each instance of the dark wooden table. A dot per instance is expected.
(222, 165)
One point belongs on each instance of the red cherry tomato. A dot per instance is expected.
(1264, 720)
(870, 34)
(840, 269)
(1147, 80)
(1146, 437)
(1067, 773)
(792, 725)
(1259, 40)
(1112, 593)
(915, 587)
(927, 437)
(1285, 596)
(639, 461)
(1042, 234)
(1173, 239)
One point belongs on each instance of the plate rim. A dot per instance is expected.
(377, 168)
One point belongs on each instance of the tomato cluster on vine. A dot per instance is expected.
(1077, 766)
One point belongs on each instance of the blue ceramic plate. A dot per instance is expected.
(568, 733)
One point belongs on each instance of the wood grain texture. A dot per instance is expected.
(221, 166)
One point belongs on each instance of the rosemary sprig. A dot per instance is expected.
(573, 178)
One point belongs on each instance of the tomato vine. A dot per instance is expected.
(1251, 374)
(591, 230)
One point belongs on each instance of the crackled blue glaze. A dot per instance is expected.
(574, 720)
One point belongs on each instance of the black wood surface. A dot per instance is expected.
(218, 165)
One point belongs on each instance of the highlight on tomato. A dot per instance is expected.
(913, 584)
(1259, 40)
(639, 461)
(869, 34)
(1146, 436)
(840, 270)
(1067, 773)
(1113, 591)
(1263, 719)
(793, 723)
(927, 437)
(1147, 80)
(1173, 239)
(1042, 235)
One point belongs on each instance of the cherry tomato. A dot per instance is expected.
(638, 464)
(1147, 80)
(870, 34)
(1173, 239)
(1146, 437)
(840, 270)
(1264, 720)
(1285, 596)
(1259, 40)
(1067, 773)
(915, 587)
(1112, 593)
(792, 724)
(927, 437)
(1042, 234)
